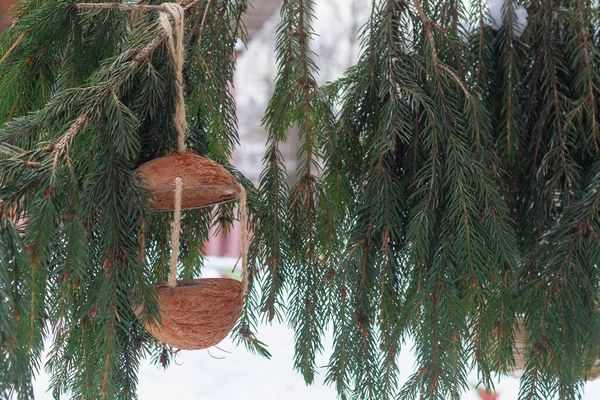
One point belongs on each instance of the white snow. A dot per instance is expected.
(241, 375)
(497, 10)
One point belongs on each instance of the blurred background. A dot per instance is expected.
(229, 372)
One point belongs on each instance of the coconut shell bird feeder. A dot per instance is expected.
(195, 313)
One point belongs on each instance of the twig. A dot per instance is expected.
(455, 78)
(224, 351)
(119, 6)
(191, 4)
(64, 141)
(131, 7)
(236, 264)
(203, 20)
(32, 164)
(175, 354)
(428, 24)
(13, 47)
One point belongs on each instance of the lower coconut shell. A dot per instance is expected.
(197, 313)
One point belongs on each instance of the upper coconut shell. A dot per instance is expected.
(197, 313)
(205, 182)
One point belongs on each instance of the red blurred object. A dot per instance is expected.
(485, 396)
(224, 246)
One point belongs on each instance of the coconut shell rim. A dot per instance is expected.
(192, 282)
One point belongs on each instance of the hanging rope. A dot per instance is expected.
(175, 230)
(243, 217)
(175, 45)
(174, 38)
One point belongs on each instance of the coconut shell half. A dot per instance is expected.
(205, 182)
(197, 313)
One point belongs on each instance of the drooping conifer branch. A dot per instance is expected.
(443, 160)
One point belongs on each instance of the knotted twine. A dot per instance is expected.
(175, 46)
(174, 37)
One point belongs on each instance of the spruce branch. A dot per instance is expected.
(589, 93)
(511, 80)
(111, 86)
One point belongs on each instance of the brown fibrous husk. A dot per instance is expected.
(205, 182)
(197, 313)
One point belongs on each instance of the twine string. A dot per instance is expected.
(243, 217)
(174, 39)
(175, 231)
(175, 45)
